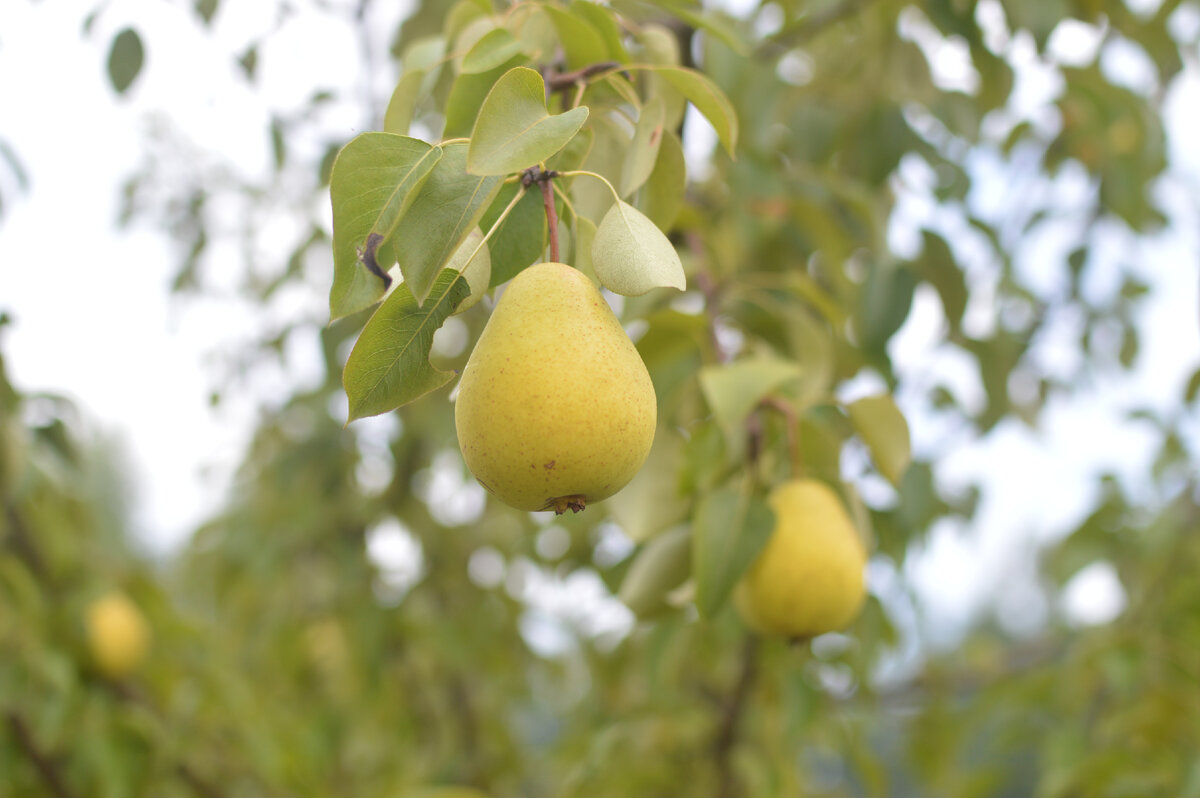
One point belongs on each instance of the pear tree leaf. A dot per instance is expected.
(585, 234)
(403, 103)
(601, 19)
(374, 181)
(514, 131)
(651, 502)
(631, 255)
(729, 529)
(662, 195)
(389, 365)
(492, 50)
(884, 430)
(521, 237)
(446, 792)
(581, 42)
(937, 266)
(661, 566)
(733, 390)
(643, 152)
(606, 157)
(467, 93)
(125, 59)
(702, 92)
(448, 207)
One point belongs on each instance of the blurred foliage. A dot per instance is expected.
(294, 654)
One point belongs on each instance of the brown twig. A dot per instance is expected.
(564, 81)
(792, 425)
(41, 761)
(730, 715)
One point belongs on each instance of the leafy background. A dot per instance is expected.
(960, 205)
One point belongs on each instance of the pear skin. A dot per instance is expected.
(555, 409)
(808, 579)
(117, 634)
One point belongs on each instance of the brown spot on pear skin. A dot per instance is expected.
(563, 503)
(549, 465)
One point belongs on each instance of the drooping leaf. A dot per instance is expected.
(514, 130)
(601, 19)
(732, 390)
(884, 430)
(495, 48)
(375, 180)
(632, 256)
(581, 42)
(446, 209)
(643, 151)
(125, 59)
(660, 567)
(702, 92)
(662, 195)
(730, 527)
(400, 108)
(938, 267)
(521, 238)
(389, 365)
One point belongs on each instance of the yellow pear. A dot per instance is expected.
(117, 633)
(555, 409)
(808, 579)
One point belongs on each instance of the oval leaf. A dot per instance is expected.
(375, 179)
(491, 51)
(730, 528)
(708, 98)
(631, 255)
(643, 153)
(514, 131)
(733, 389)
(660, 567)
(446, 209)
(125, 59)
(389, 365)
(884, 430)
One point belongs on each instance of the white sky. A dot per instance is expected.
(94, 319)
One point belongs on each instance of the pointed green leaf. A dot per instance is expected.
(884, 430)
(661, 566)
(514, 131)
(447, 208)
(662, 195)
(581, 42)
(403, 103)
(389, 365)
(733, 390)
(729, 529)
(375, 179)
(125, 58)
(521, 238)
(602, 19)
(937, 266)
(631, 256)
(492, 50)
(643, 153)
(708, 98)
(467, 94)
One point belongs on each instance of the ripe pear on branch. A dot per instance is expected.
(808, 579)
(117, 634)
(555, 409)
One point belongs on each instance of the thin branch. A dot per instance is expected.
(731, 713)
(566, 80)
(41, 761)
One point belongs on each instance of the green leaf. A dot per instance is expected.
(643, 151)
(125, 59)
(661, 566)
(581, 42)
(729, 529)
(448, 207)
(375, 179)
(651, 502)
(403, 103)
(883, 429)
(631, 255)
(662, 195)
(521, 238)
(708, 98)
(733, 390)
(601, 18)
(937, 266)
(389, 365)
(492, 50)
(585, 235)
(467, 94)
(514, 130)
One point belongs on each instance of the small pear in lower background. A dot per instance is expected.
(117, 634)
(555, 409)
(809, 577)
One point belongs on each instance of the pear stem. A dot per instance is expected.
(792, 422)
(542, 176)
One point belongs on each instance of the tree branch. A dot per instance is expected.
(41, 761)
(731, 713)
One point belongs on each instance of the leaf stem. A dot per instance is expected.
(496, 224)
(601, 178)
